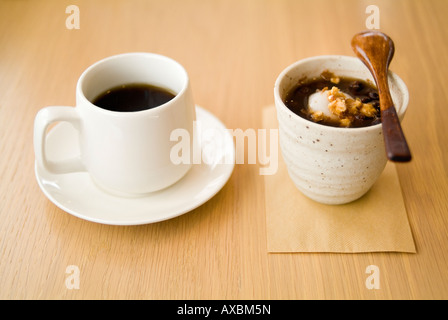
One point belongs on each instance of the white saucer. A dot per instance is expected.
(76, 193)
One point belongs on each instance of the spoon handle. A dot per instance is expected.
(397, 148)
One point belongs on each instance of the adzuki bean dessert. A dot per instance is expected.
(335, 101)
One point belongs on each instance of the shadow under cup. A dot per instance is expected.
(128, 153)
(332, 165)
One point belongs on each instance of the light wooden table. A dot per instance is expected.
(233, 51)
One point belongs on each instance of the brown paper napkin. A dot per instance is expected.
(377, 222)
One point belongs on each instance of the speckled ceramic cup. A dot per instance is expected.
(328, 164)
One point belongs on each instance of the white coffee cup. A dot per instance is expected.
(328, 164)
(126, 153)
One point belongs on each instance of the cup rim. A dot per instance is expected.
(157, 109)
(280, 104)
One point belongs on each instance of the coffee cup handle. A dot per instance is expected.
(44, 118)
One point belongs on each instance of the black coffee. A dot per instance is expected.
(133, 97)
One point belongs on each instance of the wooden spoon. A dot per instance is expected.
(376, 50)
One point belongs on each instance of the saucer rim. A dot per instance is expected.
(176, 213)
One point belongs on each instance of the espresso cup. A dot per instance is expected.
(125, 153)
(332, 165)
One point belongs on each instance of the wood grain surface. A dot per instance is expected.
(233, 51)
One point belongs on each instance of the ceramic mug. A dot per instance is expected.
(125, 153)
(332, 165)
